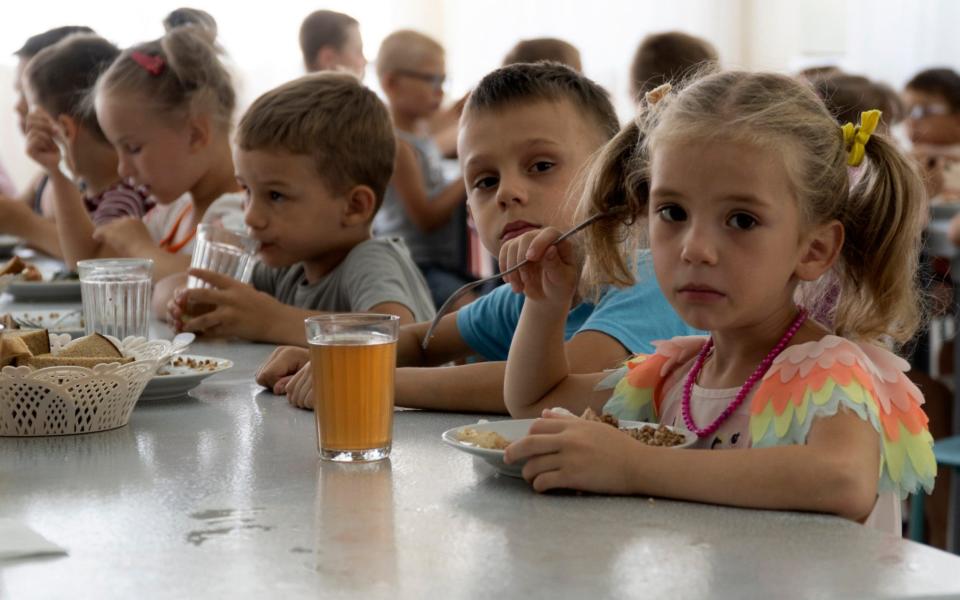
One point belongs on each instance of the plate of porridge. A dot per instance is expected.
(182, 374)
(487, 440)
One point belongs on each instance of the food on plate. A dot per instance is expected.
(192, 363)
(483, 439)
(20, 270)
(651, 435)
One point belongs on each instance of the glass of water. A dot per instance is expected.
(116, 295)
(223, 251)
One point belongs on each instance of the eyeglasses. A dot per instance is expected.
(920, 111)
(436, 81)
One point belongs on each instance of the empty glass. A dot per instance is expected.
(116, 295)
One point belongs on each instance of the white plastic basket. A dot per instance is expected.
(70, 400)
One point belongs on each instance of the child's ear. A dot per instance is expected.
(68, 127)
(201, 131)
(325, 59)
(360, 206)
(823, 245)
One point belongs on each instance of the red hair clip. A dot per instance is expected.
(151, 64)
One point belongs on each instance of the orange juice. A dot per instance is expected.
(353, 392)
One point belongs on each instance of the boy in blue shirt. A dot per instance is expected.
(527, 133)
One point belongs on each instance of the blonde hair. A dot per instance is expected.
(331, 117)
(881, 214)
(405, 49)
(191, 81)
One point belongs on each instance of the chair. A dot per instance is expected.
(947, 451)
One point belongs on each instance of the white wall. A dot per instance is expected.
(886, 39)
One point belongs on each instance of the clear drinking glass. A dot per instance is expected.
(354, 359)
(223, 251)
(116, 295)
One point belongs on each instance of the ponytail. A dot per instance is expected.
(883, 221)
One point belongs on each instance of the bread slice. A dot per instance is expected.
(93, 345)
(48, 360)
(37, 340)
(13, 266)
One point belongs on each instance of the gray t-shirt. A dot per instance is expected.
(445, 246)
(374, 272)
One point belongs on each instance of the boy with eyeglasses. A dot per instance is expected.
(422, 206)
(932, 100)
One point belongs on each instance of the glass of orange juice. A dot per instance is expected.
(354, 358)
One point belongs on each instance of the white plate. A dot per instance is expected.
(175, 381)
(68, 321)
(514, 429)
(67, 290)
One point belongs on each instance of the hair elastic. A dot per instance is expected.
(855, 137)
(151, 64)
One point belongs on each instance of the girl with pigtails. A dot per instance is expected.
(745, 189)
(166, 106)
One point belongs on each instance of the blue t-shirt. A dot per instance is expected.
(634, 316)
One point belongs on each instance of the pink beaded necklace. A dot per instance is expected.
(756, 376)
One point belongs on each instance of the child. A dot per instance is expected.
(31, 215)
(528, 130)
(166, 107)
(743, 178)
(665, 57)
(314, 156)
(58, 81)
(541, 49)
(330, 41)
(420, 206)
(846, 96)
(932, 99)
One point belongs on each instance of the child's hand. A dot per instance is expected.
(564, 452)
(300, 388)
(41, 141)
(280, 367)
(240, 310)
(553, 270)
(127, 236)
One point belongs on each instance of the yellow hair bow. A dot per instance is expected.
(855, 137)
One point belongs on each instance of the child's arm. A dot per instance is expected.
(479, 387)
(17, 218)
(834, 472)
(236, 304)
(538, 373)
(445, 346)
(426, 213)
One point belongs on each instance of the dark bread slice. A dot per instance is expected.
(37, 340)
(94, 345)
(48, 360)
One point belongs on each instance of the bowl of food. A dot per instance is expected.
(51, 384)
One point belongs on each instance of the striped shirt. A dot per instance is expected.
(117, 201)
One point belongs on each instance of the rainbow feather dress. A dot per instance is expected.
(807, 381)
